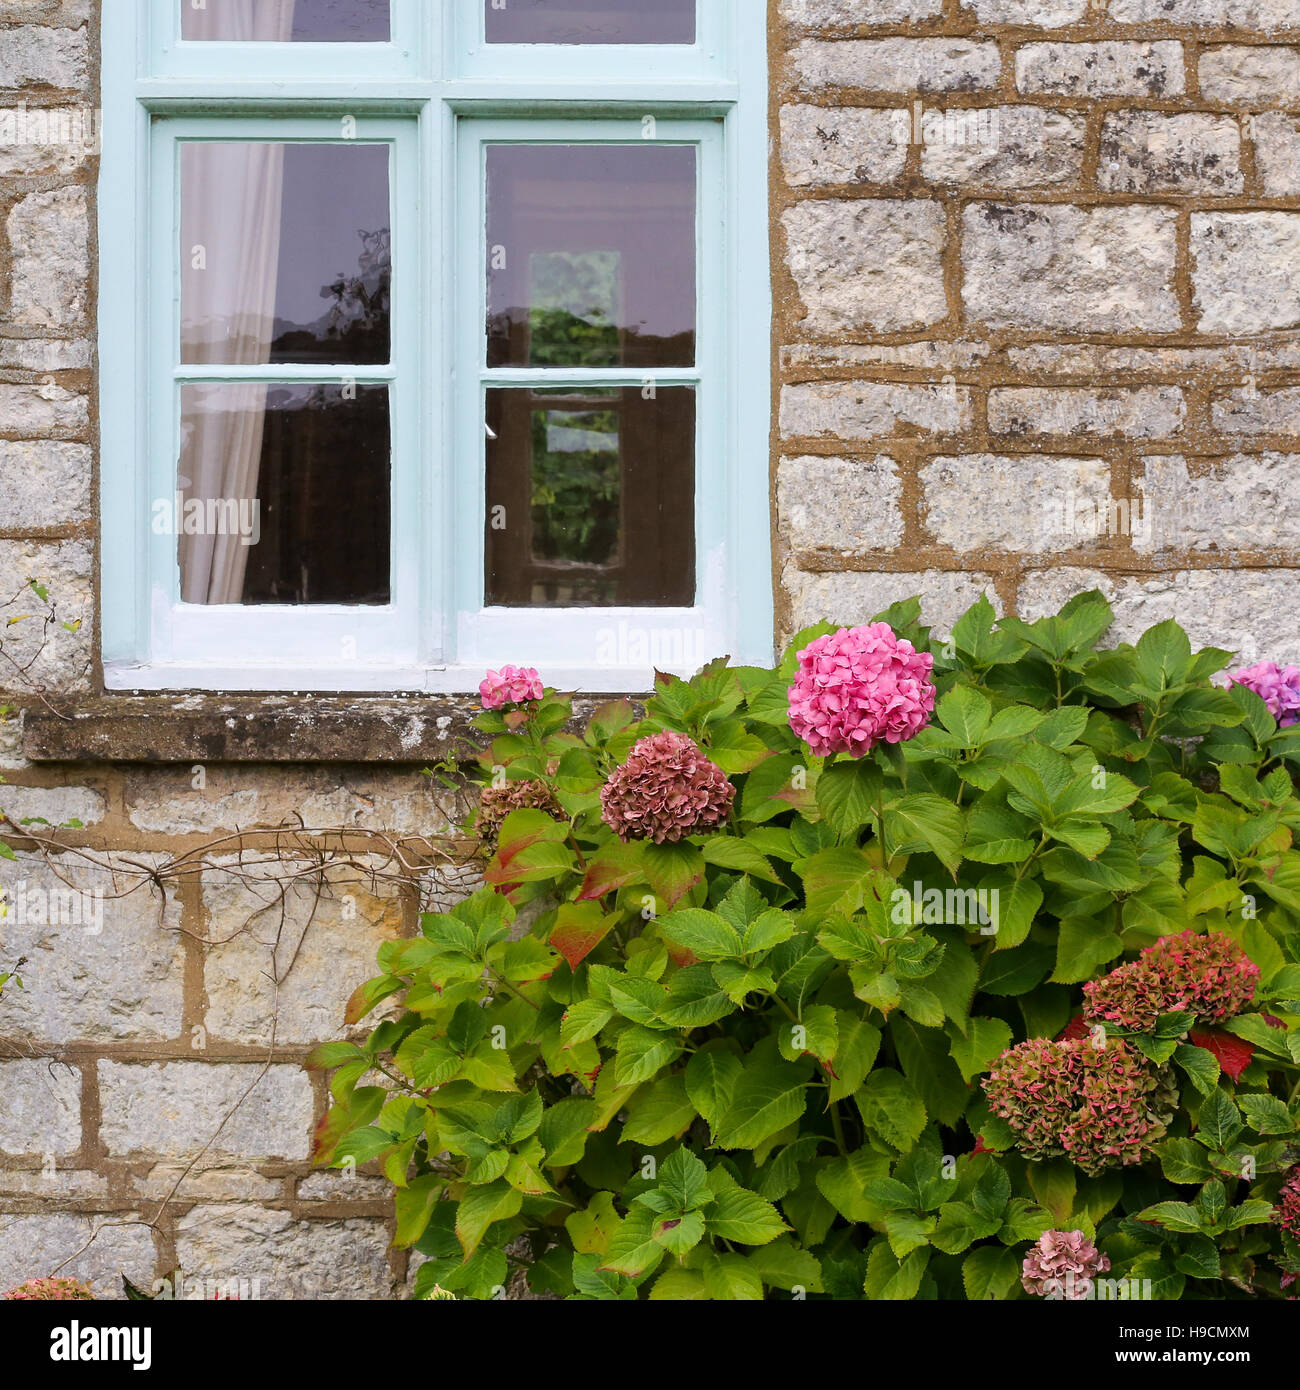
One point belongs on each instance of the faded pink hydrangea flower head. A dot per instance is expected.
(1100, 1106)
(511, 685)
(42, 1290)
(1062, 1264)
(1288, 1204)
(666, 790)
(1209, 976)
(1278, 687)
(859, 686)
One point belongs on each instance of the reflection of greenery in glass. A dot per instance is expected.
(574, 309)
(577, 480)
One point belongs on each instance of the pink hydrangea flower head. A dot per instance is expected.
(666, 790)
(42, 1290)
(1288, 1204)
(511, 685)
(1062, 1264)
(1209, 976)
(858, 686)
(1132, 996)
(1278, 687)
(1099, 1106)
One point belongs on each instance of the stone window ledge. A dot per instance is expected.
(258, 729)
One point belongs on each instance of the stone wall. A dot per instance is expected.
(170, 999)
(1037, 275)
(1038, 285)
(164, 1020)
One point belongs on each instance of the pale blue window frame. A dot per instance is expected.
(432, 96)
(557, 636)
(705, 60)
(406, 54)
(363, 637)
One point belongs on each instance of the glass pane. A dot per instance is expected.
(591, 497)
(286, 21)
(284, 252)
(282, 494)
(590, 21)
(591, 255)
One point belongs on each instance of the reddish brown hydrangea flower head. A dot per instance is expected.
(1062, 1264)
(1099, 1106)
(496, 803)
(1288, 1204)
(41, 1290)
(1209, 976)
(666, 790)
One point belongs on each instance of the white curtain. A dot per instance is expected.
(239, 21)
(231, 197)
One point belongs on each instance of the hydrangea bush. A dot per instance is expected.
(50, 1290)
(964, 970)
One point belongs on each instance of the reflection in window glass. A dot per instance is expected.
(283, 494)
(591, 497)
(285, 253)
(286, 21)
(591, 255)
(590, 21)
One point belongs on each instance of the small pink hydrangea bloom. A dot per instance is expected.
(1062, 1264)
(858, 686)
(1209, 976)
(511, 685)
(1278, 687)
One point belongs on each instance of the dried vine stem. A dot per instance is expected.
(48, 619)
(311, 862)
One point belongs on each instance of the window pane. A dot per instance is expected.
(591, 497)
(282, 494)
(284, 252)
(591, 255)
(285, 21)
(590, 21)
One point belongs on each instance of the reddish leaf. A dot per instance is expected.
(979, 1146)
(366, 996)
(531, 849)
(334, 1124)
(614, 867)
(534, 863)
(612, 718)
(579, 928)
(1233, 1053)
(526, 827)
(1076, 1028)
(680, 955)
(803, 799)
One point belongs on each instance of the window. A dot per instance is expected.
(430, 341)
(591, 21)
